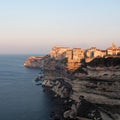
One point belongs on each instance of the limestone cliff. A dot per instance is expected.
(34, 62)
(76, 55)
(73, 56)
(100, 87)
(90, 91)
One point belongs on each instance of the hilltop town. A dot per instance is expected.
(76, 55)
(85, 83)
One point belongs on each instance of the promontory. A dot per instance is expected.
(86, 82)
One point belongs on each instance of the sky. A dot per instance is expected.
(35, 26)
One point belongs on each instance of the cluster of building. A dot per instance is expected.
(75, 55)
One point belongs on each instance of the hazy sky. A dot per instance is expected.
(35, 26)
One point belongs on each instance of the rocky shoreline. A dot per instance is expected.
(89, 93)
(98, 104)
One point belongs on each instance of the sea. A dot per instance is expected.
(20, 97)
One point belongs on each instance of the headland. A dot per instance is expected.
(86, 82)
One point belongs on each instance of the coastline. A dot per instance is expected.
(97, 102)
(97, 89)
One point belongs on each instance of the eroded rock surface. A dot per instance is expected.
(34, 62)
(98, 84)
(100, 87)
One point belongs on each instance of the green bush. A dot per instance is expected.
(110, 61)
(64, 61)
(80, 70)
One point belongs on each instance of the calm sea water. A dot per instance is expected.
(20, 98)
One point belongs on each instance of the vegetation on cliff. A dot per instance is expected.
(98, 81)
(105, 62)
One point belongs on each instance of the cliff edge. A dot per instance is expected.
(34, 62)
(91, 91)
